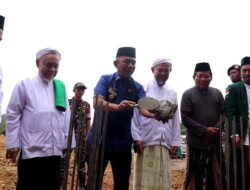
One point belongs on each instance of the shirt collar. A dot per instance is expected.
(117, 77)
(247, 86)
(44, 81)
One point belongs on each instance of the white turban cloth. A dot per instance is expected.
(46, 51)
(160, 61)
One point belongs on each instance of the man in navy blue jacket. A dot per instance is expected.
(121, 91)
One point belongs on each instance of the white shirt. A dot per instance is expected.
(151, 131)
(246, 141)
(32, 121)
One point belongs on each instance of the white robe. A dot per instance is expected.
(152, 167)
(151, 131)
(32, 121)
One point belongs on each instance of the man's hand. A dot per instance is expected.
(237, 141)
(12, 154)
(210, 134)
(137, 147)
(125, 105)
(172, 151)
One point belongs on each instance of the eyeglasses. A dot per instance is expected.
(51, 65)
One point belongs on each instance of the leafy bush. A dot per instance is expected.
(3, 124)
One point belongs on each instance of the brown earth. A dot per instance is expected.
(8, 172)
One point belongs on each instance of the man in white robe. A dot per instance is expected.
(37, 127)
(153, 139)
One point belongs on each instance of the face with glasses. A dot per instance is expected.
(125, 66)
(161, 73)
(48, 66)
(202, 79)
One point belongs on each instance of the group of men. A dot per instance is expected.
(204, 112)
(39, 117)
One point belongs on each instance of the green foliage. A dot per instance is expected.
(183, 130)
(3, 124)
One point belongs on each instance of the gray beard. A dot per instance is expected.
(160, 83)
(46, 80)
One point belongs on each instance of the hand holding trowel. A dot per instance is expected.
(163, 110)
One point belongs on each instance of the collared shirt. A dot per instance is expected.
(152, 132)
(33, 122)
(199, 110)
(115, 90)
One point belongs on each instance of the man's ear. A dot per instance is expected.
(115, 63)
(37, 63)
(152, 69)
(194, 75)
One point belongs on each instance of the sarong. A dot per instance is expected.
(152, 169)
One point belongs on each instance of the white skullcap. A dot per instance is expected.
(160, 61)
(46, 51)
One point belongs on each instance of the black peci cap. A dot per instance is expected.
(2, 18)
(203, 66)
(245, 61)
(126, 51)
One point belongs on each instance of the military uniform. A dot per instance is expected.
(81, 115)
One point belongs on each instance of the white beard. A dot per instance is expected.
(161, 83)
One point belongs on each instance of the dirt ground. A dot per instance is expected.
(8, 172)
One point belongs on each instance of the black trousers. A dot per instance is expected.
(39, 173)
(121, 168)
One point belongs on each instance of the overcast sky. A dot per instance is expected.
(88, 34)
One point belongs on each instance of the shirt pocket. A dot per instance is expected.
(36, 140)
